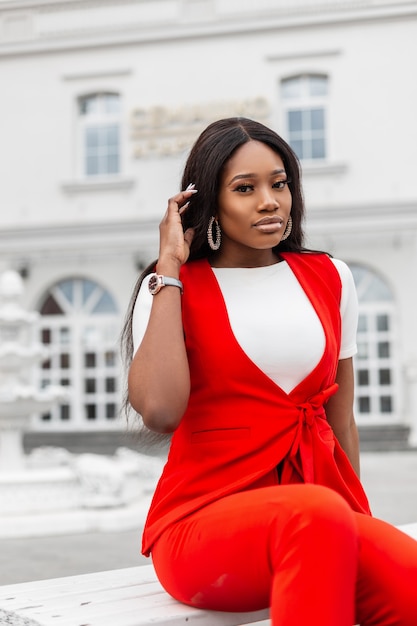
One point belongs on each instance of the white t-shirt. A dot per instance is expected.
(272, 319)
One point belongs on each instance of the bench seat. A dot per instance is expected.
(125, 597)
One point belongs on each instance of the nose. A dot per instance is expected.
(268, 200)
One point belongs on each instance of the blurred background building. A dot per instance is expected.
(100, 102)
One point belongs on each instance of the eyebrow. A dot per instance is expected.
(252, 175)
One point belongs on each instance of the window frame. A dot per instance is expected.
(99, 119)
(368, 360)
(84, 322)
(305, 103)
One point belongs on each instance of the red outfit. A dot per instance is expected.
(231, 525)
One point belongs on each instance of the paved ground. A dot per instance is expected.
(390, 479)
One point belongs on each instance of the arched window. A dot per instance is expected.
(99, 126)
(80, 326)
(376, 364)
(304, 102)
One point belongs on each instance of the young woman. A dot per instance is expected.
(242, 347)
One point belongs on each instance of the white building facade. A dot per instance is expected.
(100, 102)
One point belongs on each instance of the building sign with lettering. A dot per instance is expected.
(163, 131)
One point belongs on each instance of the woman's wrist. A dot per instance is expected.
(168, 267)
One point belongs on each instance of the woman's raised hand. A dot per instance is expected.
(174, 244)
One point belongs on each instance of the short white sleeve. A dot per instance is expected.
(141, 313)
(348, 310)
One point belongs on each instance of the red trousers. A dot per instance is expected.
(299, 549)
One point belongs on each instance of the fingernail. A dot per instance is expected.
(190, 186)
(184, 206)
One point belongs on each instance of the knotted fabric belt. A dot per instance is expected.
(312, 430)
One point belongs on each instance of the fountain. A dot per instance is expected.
(51, 490)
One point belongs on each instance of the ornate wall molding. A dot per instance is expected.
(44, 25)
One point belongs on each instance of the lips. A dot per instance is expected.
(269, 224)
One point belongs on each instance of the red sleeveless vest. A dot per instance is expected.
(239, 425)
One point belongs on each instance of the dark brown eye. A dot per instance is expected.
(244, 188)
(280, 184)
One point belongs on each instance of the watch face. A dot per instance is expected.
(154, 284)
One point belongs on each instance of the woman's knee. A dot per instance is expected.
(317, 503)
(318, 513)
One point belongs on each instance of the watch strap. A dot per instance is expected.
(172, 282)
(158, 281)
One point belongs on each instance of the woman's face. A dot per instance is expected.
(253, 207)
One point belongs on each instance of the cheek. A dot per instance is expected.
(233, 222)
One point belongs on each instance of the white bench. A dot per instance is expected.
(125, 597)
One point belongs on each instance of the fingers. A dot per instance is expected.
(181, 201)
(173, 242)
(190, 189)
(184, 208)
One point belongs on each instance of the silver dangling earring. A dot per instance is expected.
(288, 228)
(214, 245)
